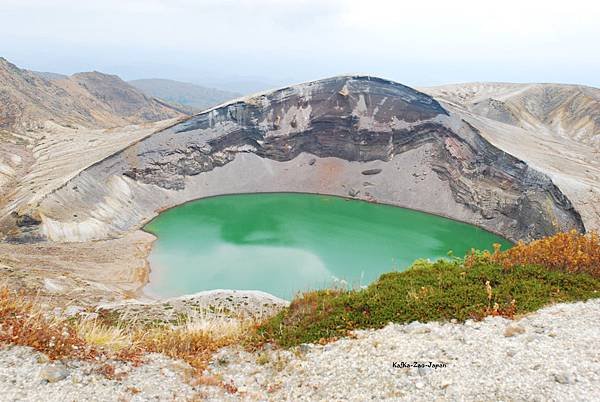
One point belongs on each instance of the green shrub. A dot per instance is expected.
(437, 291)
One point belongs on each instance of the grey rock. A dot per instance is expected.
(54, 373)
(513, 330)
(72, 310)
(353, 192)
(305, 347)
(563, 378)
(42, 358)
(416, 327)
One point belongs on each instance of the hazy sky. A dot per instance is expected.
(219, 42)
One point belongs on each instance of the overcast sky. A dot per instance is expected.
(219, 42)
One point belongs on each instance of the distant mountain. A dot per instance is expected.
(193, 97)
(93, 100)
(50, 76)
(555, 110)
(246, 85)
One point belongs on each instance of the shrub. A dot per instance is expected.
(23, 323)
(194, 340)
(571, 251)
(437, 291)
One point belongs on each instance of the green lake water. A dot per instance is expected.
(285, 243)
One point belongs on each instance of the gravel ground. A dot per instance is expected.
(553, 354)
(212, 303)
(24, 376)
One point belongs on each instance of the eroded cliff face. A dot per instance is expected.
(333, 118)
(554, 127)
(359, 137)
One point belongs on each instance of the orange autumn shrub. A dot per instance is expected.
(569, 251)
(23, 323)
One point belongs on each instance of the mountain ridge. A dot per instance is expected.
(344, 117)
(568, 111)
(92, 100)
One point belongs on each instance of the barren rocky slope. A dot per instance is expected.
(555, 128)
(38, 106)
(39, 162)
(91, 100)
(548, 355)
(560, 111)
(49, 131)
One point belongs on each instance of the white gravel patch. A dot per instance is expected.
(24, 376)
(553, 354)
(557, 357)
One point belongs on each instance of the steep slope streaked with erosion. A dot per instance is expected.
(52, 126)
(560, 111)
(354, 136)
(555, 128)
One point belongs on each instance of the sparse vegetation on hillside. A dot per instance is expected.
(22, 322)
(560, 268)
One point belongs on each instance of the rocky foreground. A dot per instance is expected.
(553, 354)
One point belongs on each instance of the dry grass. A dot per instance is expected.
(193, 340)
(23, 323)
(98, 334)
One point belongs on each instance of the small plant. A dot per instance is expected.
(114, 338)
(109, 371)
(262, 359)
(571, 252)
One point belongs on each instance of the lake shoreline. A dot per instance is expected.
(284, 243)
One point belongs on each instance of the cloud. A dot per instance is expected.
(425, 41)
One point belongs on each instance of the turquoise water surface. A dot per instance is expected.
(284, 243)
